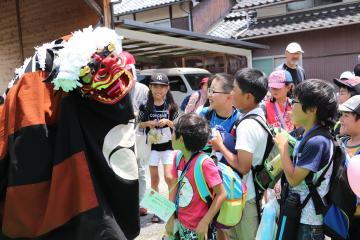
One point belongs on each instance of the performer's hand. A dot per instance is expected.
(202, 229)
(163, 122)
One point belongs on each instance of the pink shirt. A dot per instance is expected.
(191, 208)
(193, 103)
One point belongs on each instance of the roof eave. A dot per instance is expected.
(263, 5)
(148, 8)
(296, 31)
(145, 26)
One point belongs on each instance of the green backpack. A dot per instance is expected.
(231, 209)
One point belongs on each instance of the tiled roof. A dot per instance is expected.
(130, 6)
(227, 29)
(256, 3)
(332, 16)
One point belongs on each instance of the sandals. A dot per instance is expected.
(155, 219)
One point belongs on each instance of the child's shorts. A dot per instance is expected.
(166, 157)
(187, 234)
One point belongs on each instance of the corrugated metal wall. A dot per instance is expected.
(41, 21)
(328, 68)
(328, 52)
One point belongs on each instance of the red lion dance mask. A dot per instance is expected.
(108, 76)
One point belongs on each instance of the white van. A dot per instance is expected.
(183, 81)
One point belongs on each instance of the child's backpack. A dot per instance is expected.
(260, 169)
(231, 209)
(340, 202)
(266, 174)
(185, 102)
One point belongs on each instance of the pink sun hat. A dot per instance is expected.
(279, 79)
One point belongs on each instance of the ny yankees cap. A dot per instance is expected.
(159, 78)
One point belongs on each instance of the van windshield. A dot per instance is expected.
(195, 79)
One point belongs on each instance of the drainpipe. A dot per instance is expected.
(190, 17)
(112, 22)
(19, 27)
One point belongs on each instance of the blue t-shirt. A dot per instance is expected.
(215, 120)
(315, 156)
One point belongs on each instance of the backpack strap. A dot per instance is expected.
(199, 97)
(235, 123)
(208, 114)
(200, 181)
(269, 145)
(321, 131)
(320, 206)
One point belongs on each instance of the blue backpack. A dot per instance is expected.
(231, 209)
(186, 101)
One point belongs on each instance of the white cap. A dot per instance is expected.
(346, 75)
(351, 105)
(294, 48)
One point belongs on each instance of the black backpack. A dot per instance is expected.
(339, 205)
(259, 168)
(269, 145)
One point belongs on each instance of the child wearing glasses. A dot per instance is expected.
(221, 112)
(250, 87)
(314, 109)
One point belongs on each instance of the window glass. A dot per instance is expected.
(144, 79)
(298, 5)
(325, 2)
(177, 84)
(265, 65)
(194, 80)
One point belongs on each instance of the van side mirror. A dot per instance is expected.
(183, 88)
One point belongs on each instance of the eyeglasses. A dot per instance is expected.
(294, 101)
(212, 91)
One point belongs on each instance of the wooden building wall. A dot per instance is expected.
(328, 52)
(40, 21)
(208, 12)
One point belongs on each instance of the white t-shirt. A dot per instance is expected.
(139, 95)
(251, 137)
